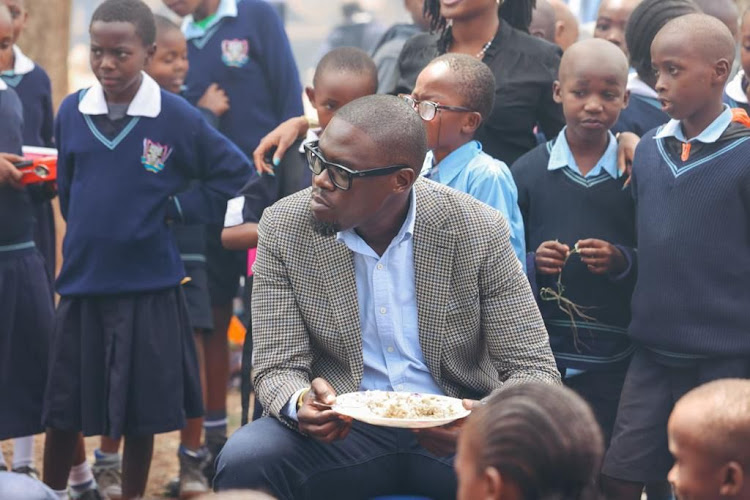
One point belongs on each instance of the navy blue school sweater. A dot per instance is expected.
(249, 57)
(693, 220)
(562, 205)
(641, 115)
(34, 90)
(16, 219)
(117, 194)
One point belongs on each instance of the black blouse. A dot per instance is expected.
(524, 67)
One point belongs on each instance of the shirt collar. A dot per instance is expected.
(561, 156)
(710, 134)
(734, 88)
(22, 64)
(452, 164)
(147, 101)
(356, 244)
(226, 8)
(637, 86)
(312, 136)
(3, 85)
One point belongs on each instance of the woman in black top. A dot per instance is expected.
(524, 67)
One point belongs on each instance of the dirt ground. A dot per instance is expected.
(164, 464)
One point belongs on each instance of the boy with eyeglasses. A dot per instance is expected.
(453, 95)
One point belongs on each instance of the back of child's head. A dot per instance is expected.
(644, 23)
(725, 11)
(543, 21)
(164, 25)
(134, 12)
(744, 37)
(350, 60)
(542, 438)
(473, 81)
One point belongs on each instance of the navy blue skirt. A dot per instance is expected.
(123, 365)
(44, 236)
(197, 297)
(26, 323)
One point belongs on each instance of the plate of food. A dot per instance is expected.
(407, 410)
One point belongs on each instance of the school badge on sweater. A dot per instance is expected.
(234, 53)
(154, 155)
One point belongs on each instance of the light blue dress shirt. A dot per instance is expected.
(710, 134)
(387, 297)
(470, 170)
(561, 156)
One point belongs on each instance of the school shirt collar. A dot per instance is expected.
(710, 134)
(146, 103)
(639, 87)
(313, 134)
(734, 88)
(227, 8)
(3, 85)
(452, 164)
(22, 64)
(561, 156)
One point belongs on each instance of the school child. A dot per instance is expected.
(644, 109)
(709, 437)
(580, 228)
(26, 308)
(241, 46)
(689, 314)
(612, 19)
(341, 76)
(735, 95)
(529, 441)
(123, 359)
(453, 95)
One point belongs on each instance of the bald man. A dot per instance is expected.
(709, 437)
(566, 24)
(690, 319)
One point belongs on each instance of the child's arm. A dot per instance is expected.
(242, 237)
(281, 138)
(243, 213)
(213, 103)
(64, 165)
(48, 118)
(603, 257)
(222, 170)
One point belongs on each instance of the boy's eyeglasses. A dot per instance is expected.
(427, 109)
(341, 176)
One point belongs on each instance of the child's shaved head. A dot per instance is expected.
(707, 36)
(348, 60)
(473, 81)
(724, 10)
(594, 53)
(720, 414)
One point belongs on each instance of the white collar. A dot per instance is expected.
(23, 64)
(709, 135)
(147, 101)
(639, 87)
(3, 85)
(734, 88)
(313, 134)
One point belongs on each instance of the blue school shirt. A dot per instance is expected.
(117, 194)
(32, 85)
(469, 170)
(245, 50)
(734, 93)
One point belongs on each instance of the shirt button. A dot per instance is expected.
(383, 310)
(380, 267)
(390, 349)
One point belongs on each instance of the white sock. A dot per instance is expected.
(23, 451)
(62, 494)
(2, 460)
(81, 477)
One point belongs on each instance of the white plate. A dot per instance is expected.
(354, 405)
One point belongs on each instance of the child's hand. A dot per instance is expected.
(627, 142)
(601, 257)
(9, 174)
(215, 100)
(282, 137)
(550, 257)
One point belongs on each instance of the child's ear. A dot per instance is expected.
(310, 92)
(557, 92)
(150, 51)
(734, 479)
(722, 68)
(626, 99)
(472, 122)
(495, 487)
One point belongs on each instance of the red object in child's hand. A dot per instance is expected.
(37, 170)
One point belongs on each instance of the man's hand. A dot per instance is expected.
(550, 257)
(322, 424)
(627, 142)
(9, 174)
(602, 257)
(441, 441)
(280, 138)
(215, 100)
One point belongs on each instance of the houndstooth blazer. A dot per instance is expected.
(479, 325)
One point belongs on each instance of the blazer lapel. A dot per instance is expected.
(433, 268)
(336, 267)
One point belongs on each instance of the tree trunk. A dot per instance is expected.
(46, 40)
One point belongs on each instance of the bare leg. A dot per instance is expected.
(617, 489)
(109, 445)
(80, 454)
(136, 461)
(59, 448)
(190, 436)
(216, 350)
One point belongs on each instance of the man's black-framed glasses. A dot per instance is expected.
(427, 109)
(341, 176)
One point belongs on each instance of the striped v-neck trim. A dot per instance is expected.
(574, 176)
(680, 170)
(111, 144)
(210, 32)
